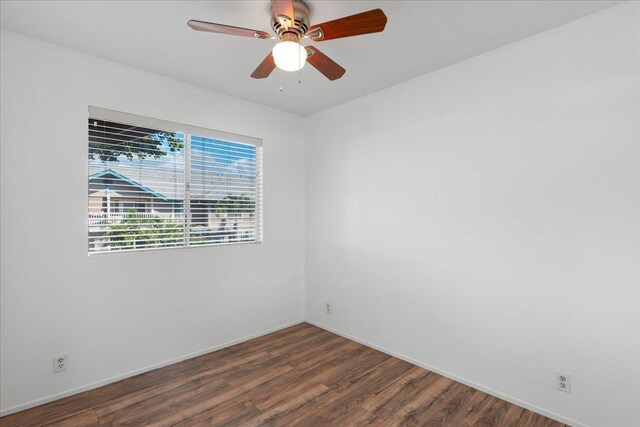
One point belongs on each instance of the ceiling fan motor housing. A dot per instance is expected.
(288, 30)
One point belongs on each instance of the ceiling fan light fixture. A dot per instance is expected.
(289, 55)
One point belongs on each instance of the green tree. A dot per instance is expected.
(235, 204)
(109, 145)
(134, 232)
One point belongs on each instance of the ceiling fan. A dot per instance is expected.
(290, 21)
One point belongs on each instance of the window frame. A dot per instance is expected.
(188, 131)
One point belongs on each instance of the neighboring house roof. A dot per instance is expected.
(168, 183)
(127, 180)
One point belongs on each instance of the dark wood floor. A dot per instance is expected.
(302, 375)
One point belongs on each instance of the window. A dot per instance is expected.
(155, 184)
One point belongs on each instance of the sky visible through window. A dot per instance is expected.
(210, 157)
(223, 151)
(212, 154)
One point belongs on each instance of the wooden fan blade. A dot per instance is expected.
(372, 21)
(283, 8)
(227, 29)
(265, 68)
(324, 64)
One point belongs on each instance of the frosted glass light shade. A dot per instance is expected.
(289, 56)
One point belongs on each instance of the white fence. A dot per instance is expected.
(115, 217)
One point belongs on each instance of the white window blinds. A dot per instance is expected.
(154, 184)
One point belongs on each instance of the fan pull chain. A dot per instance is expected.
(299, 79)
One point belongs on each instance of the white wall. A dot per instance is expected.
(484, 219)
(118, 313)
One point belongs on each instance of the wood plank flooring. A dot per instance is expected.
(299, 376)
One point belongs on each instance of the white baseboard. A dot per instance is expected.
(76, 390)
(454, 377)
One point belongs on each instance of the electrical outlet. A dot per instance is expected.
(563, 382)
(327, 307)
(59, 363)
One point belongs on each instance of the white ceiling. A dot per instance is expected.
(420, 37)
